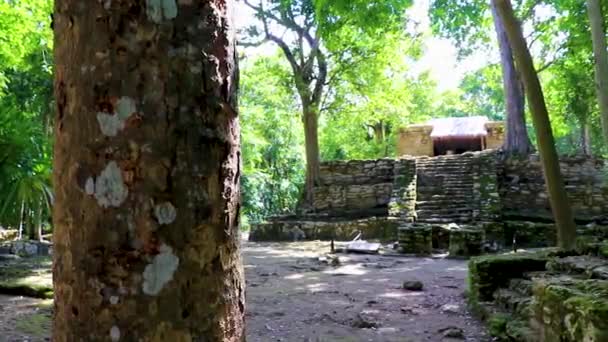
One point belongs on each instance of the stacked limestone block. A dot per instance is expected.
(542, 296)
(466, 241)
(416, 238)
(402, 205)
(523, 192)
(353, 185)
(372, 228)
(485, 187)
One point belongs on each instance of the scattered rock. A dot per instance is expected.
(452, 332)
(365, 321)
(408, 311)
(413, 285)
(331, 260)
(450, 308)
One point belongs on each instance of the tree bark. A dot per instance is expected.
(517, 141)
(600, 53)
(311, 143)
(586, 140)
(21, 220)
(146, 172)
(562, 212)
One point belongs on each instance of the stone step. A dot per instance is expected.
(513, 302)
(451, 172)
(444, 220)
(521, 286)
(439, 190)
(590, 266)
(440, 204)
(445, 196)
(552, 275)
(447, 212)
(436, 180)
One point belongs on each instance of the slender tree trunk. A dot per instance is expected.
(598, 35)
(31, 226)
(311, 141)
(38, 228)
(586, 140)
(566, 228)
(516, 141)
(21, 220)
(146, 172)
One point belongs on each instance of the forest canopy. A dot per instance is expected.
(375, 84)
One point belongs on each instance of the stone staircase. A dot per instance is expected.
(445, 189)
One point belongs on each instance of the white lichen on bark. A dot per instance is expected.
(89, 187)
(115, 334)
(165, 213)
(110, 190)
(112, 124)
(157, 10)
(157, 274)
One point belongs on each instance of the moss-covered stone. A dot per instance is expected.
(416, 239)
(488, 273)
(497, 325)
(571, 310)
(466, 242)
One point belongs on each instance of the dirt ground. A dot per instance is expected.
(294, 296)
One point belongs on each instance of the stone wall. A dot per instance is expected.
(485, 187)
(506, 199)
(523, 193)
(381, 228)
(354, 185)
(402, 205)
(26, 248)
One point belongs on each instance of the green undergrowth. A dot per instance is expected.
(37, 324)
(30, 277)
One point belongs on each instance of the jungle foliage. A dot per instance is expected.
(371, 89)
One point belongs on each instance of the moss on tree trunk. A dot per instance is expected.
(146, 172)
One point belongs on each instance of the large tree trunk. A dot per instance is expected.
(598, 36)
(566, 228)
(311, 141)
(516, 141)
(146, 172)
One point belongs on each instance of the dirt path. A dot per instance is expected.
(293, 297)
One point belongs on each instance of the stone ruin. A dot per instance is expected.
(465, 204)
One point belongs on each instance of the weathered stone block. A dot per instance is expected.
(416, 239)
(488, 273)
(571, 310)
(466, 242)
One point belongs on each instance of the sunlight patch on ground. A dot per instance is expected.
(401, 294)
(355, 269)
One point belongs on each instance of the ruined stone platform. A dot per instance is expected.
(494, 203)
(541, 296)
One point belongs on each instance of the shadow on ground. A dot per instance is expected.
(293, 296)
